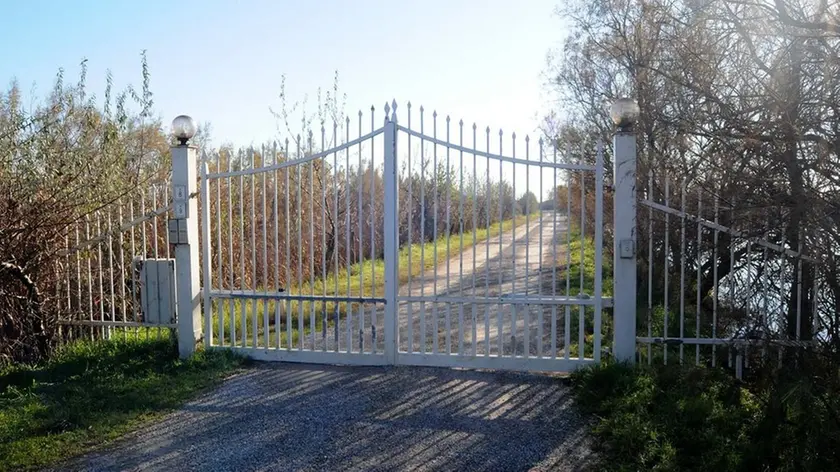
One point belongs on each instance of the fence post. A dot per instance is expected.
(184, 228)
(624, 113)
(391, 235)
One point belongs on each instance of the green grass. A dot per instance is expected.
(581, 274)
(686, 418)
(666, 418)
(365, 279)
(91, 393)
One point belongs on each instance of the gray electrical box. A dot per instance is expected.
(157, 291)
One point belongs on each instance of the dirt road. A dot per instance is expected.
(520, 262)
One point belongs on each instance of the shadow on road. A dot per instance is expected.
(304, 417)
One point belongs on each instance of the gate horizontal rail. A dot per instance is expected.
(507, 362)
(251, 295)
(725, 341)
(509, 300)
(512, 160)
(310, 356)
(296, 162)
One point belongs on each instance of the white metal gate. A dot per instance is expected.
(350, 249)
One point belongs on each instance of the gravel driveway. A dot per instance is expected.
(308, 418)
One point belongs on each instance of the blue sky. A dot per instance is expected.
(221, 61)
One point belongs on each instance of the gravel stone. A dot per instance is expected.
(300, 417)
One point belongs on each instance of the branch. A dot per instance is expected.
(824, 26)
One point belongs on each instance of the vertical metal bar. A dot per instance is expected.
(79, 271)
(290, 277)
(422, 237)
(410, 201)
(715, 279)
(276, 216)
(461, 231)
(391, 235)
(324, 271)
(780, 317)
(581, 308)
(299, 217)
(135, 299)
(599, 248)
(62, 314)
(799, 288)
(461, 249)
(555, 206)
(373, 337)
(361, 248)
(765, 303)
(487, 198)
(733, 280)
(682, 267)
(474, 243)
(265, 271)
(219, 245)
(539, 266)
(665, 255)
(167, 243)
(312, 327)
(143, 234)
(347, 243)
(253, 224)
(89, 277)
(232, 267)
(499, 310)
(650, 268)
(337, 305)
(526, 331)
(513, 205)
(122, 263)
(112, 294)
(242, 303)
(104, 331)
(815, 315)
(748, 296)
(435, 233)
(567, 334)
(448, 238)
(153, 223)
(699, 273)
(207, 256)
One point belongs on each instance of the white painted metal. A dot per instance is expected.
(184, 171)
(207, 256)
(666, 254)
(391, 236)
(158, 294)
(624, 229)
(699, 277)
(763, 302)
(715, 226)
(518, 337)
(297, 162)
(513, 160)
(682, 271)
(599, 250)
